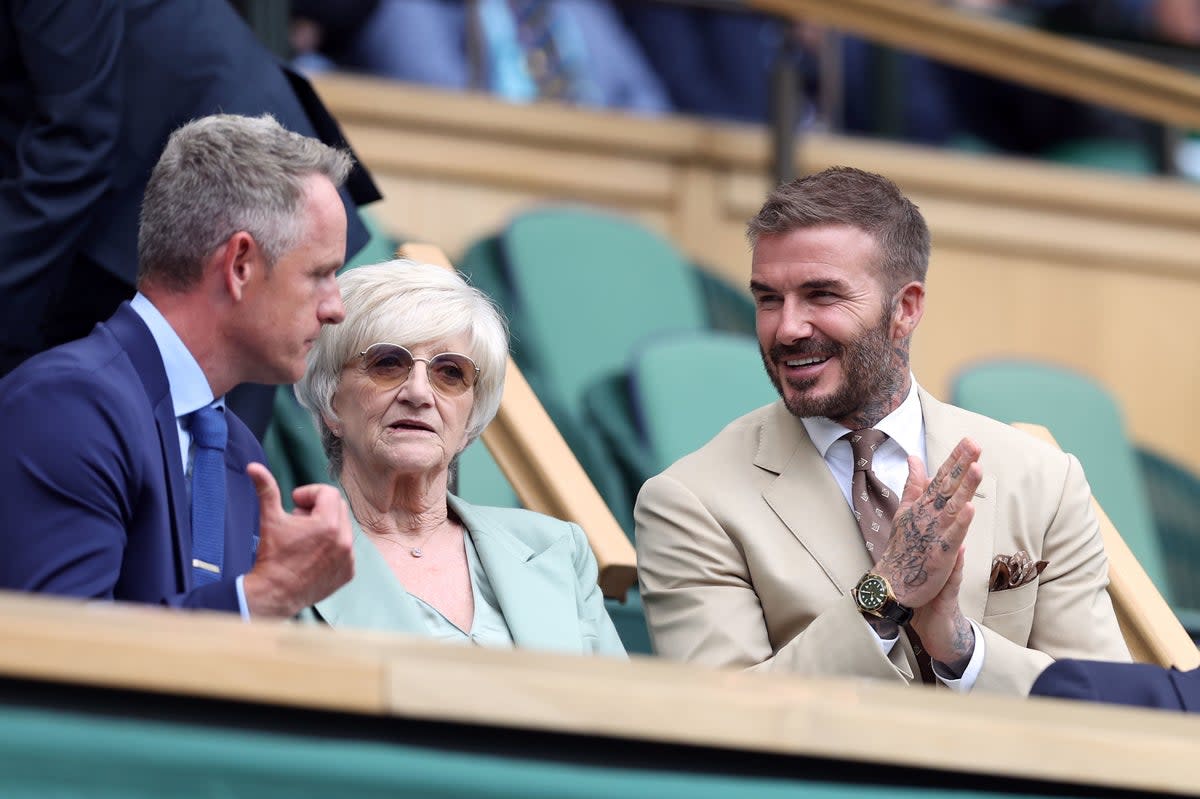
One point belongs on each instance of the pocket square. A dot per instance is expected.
(1014, 571)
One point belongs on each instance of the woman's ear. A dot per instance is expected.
(333, 424)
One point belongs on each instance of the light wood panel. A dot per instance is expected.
(218, 656)
(542, 469)
(1151, 630)
(1088, 270)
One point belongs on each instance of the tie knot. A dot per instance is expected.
(208, 427)
(863, 444)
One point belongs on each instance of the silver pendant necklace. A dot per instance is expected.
(417, 551)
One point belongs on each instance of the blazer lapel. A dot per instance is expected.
(535, 589)
(941, 437)
(808, 500)
(374, 599)
(129, 329)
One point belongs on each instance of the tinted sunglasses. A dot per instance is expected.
(389, 365)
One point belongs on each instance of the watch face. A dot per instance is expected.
(872, 593)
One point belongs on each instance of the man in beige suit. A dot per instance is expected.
(750, 550)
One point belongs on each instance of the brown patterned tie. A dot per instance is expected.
(874, 506)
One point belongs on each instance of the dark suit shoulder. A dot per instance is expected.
(1136, 684)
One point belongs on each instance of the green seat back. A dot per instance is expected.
(586, 287)
(1174, 494)
(1113, 155)
(293, 447)
(379, 248)
(1085, 420)
(685, 388)
(480, 481)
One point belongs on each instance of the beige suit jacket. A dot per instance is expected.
(747, 551)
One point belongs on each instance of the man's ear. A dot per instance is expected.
(239, 258)
(907, 310)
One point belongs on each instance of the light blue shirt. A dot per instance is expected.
(190, 390)
(905, 428)
(488, 627)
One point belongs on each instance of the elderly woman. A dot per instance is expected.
(413, 375)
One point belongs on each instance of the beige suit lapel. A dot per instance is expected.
(941, 436)
(808, 501)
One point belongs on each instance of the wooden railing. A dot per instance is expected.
(1012, 52)
(218, 657)
(542, 469)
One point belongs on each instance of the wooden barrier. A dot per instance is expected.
(218, 657)
(542, 469)
(1088, 270)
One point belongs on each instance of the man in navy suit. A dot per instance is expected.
(1138, 684)
(89, 92)
(242, 232)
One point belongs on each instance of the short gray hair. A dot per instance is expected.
(408, 303)
(222, 174)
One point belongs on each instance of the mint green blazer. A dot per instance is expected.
(541, 569)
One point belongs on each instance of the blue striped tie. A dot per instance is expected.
(209, 432)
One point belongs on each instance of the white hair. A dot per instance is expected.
(408, 303)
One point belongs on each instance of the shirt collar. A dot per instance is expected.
(904, 425)
(190, 390)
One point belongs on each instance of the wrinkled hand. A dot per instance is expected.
(303, 556)
(945, 632)
(930, 525)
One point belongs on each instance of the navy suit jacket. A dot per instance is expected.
(95, 503)
(1137, 684)
(89, 92)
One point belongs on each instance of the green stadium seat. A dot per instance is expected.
(679, 390)
(1174, 494)
(1086, 421)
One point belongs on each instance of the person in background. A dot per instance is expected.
(571, 51)
(89, 92)
(413, 375)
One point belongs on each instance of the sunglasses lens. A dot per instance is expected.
(451, 373)
(387, 364)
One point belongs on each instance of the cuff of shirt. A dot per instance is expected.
(885, 644)
(241, 592)
(971, 673)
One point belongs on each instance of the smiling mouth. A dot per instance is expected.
(796, 363)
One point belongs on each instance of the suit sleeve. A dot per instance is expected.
(701, 605)
(63, 156)
(1073, 616)
(77, 467)
(599, 634)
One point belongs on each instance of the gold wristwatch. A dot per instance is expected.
(874, 596)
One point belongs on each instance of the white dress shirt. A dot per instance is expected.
(905, 428)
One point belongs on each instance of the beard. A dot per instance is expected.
(869, 376)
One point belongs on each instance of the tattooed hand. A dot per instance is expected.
(930, 525)
(945, 632)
